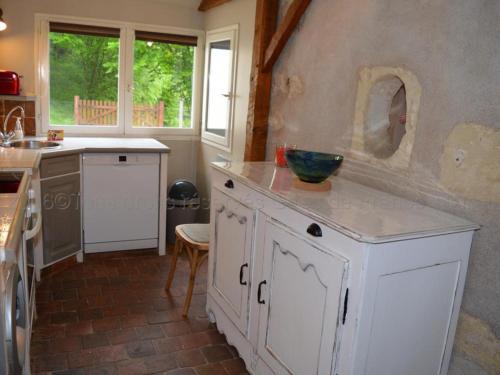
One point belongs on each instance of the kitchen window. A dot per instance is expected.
(99, 77)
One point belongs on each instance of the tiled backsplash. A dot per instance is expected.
(6, 104)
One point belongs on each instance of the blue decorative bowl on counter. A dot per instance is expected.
(312, 167)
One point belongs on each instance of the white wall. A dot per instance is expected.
(241, 12)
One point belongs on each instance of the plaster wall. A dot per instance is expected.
(241, 12)
(453, 50)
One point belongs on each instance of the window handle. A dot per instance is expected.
(130, 88)
(228, 95)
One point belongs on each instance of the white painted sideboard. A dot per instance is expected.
(353, 281)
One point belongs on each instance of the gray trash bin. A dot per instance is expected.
(182, 205)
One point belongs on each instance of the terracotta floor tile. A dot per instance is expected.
(56, 362)
(164, 316)
(132, 367)
(235, 366)
(89, 291)
(39, 347)
(90, 314)
(122, 336)
(216, 337)
(74, 371)
(64, 317)
(194, 340)
(182, 371)
(64, 294)
(95, 340)
(110, 315)
(109, 369)
(190, 358)
(79, 329)
(139, 349)
(114, 310)
(97, 281)
(83, 358)
(168, 345)
(141, 308)
(109, 354)
(150, 332)
(49, 307)
(158, 363)
(106, 324)
(134, 320)
(177, 328)
(211, 369)
(47, 331)
(64, 345)
(216, 353)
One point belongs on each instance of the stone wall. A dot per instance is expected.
(452, 49)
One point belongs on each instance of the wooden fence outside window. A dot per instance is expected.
(104, 112)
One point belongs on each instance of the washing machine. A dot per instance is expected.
(14, 322)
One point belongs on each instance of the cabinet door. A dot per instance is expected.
(300, 299)
(230, 252)
(61, 217)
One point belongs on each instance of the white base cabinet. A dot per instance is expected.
(300, 292)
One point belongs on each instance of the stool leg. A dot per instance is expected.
(173, 265)
(192, 276)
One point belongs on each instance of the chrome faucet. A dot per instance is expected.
(7, 137)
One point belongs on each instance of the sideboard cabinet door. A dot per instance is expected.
(300, 298)
(230, 257)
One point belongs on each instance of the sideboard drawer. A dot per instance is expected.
(231, 187)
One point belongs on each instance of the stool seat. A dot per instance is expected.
(194, 239)
(199, 233)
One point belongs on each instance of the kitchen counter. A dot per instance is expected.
(360, 212)
(11, 158)
(12, 208)
(72, 145)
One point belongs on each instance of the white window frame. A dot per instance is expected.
(226, 33)
(125, 79)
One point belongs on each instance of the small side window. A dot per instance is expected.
(219, 91)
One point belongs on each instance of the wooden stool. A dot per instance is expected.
(194, 238)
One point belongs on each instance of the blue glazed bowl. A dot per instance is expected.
(313, 167)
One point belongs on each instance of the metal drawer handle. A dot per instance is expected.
(259, 292)
(241, 274)
(315, 230)
(229, 184)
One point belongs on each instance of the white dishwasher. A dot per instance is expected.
(120, 201)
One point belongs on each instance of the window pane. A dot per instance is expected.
(83, 79)
(219, 88)
(163, 83)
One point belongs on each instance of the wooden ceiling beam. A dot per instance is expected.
(290, 21)
(260, 82)
(209, 4)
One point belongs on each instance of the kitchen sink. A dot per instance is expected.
(34, 145)
(10, 181)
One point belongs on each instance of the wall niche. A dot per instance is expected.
(385, 116)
